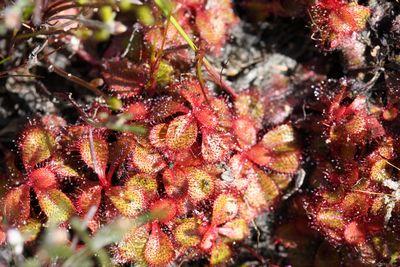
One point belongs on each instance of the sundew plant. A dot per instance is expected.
(199, 133)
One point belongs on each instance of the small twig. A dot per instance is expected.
(254, 253)
(75, 79)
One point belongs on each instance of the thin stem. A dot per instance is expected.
(76, 80)
(158, 56)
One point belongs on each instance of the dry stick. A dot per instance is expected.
(200, 77)
(217, 78)
(371, 193)
(57, 10)
(33, 34)
(76, 80)
(5, 73)
(56, 3)
(175, 48)
(254, 253)
(74, 5)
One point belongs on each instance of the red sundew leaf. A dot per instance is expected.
(355, 203)
(145, 182)
(187, 234)
(159, 250)
(62, 169)
(175, 182)
(286, 162)
(215, 147)
(355, 128)
(358, 105)
(245, 131)
(191, 90)
(89, 197)
(56, 205)
(16, 203)
(235, 230)
(125, 78)
(181, 133)
(186, 157)
(215, 22)
(146, 159)
(120, 150)
(74, 133)
(131, 247)
(349, 18)
(331, 218)
(259, 154)
(165, 108)
(36, 146)
(158, 135)
(201, 184)
(262, 192)
(94, 152)
(336, 21)
(206, 117)
(240, 171)
(280, 139)
(375, 128)
(390, 114)
(213, 169)
(163, 210)
(222, 110)
(225, 209)
(42, 179)
(138, 111)
(3, 237)
(210, 234)
(220, 253)
(268, 186)
(108, 211)
(380, 171)
(354, 234)
(359, 127)
(129, 203)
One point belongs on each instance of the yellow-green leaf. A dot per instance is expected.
(220, 253)
(128, 202)
(56, 205)
(36, 145)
